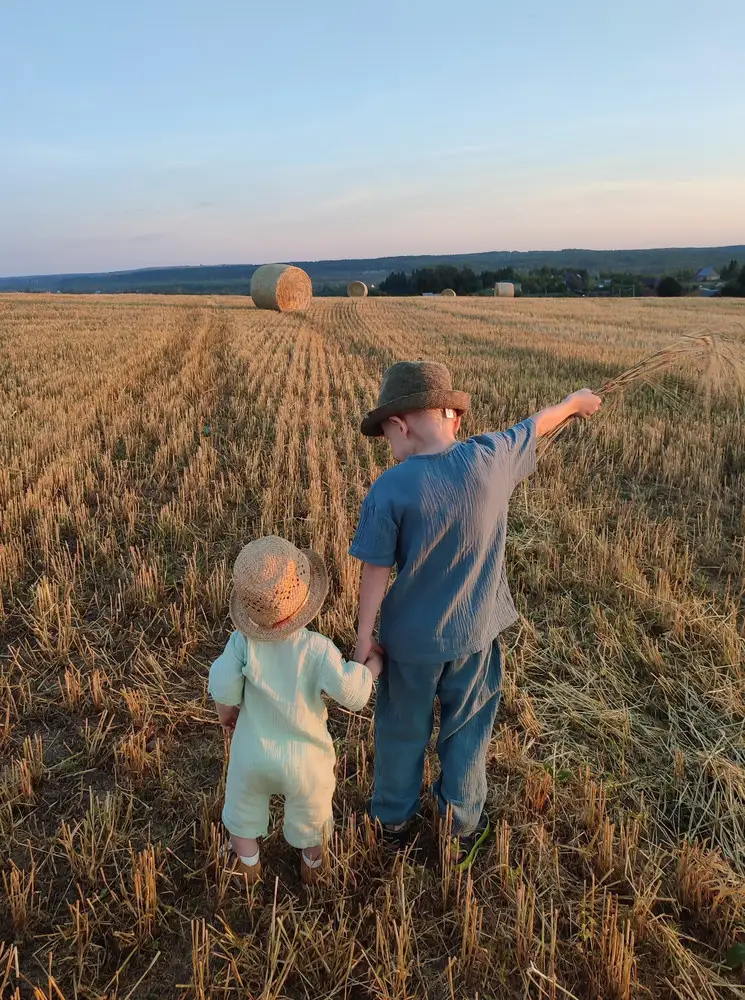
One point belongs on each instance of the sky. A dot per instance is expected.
(156, 133)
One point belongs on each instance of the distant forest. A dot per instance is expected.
(538, 272)
(555, 281)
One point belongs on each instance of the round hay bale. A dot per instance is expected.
(281, 287)
(448, 293)
(504, 289)
(357, 290)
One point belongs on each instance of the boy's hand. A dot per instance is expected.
(365, 646)
(584, 402)
(374, 663)
(228, 715)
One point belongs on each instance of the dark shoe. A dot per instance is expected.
(466, 846)
(400, 837)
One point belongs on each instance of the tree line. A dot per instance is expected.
(733, 276)
(551, 281)
(463, 280)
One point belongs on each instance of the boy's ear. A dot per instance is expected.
(401, 424)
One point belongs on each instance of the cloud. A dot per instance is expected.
(204, 204)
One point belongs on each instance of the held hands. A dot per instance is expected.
(371, 653)
(584, 403)
(374, 663)
(227, 715)
(365, 646)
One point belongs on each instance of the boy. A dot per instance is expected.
(439, 516)
(267, 688)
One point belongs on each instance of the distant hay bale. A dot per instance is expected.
(448, 293)
(357, 290)
(504, 289)
(281, 287)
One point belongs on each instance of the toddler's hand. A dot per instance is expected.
(228, 716)
(585, 402)
(374, 663)
(365, 644)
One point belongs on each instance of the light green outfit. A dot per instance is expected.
(281, 745)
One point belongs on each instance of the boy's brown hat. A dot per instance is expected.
(277, 588)
(414, 385)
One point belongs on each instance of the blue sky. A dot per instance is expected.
(168, 132)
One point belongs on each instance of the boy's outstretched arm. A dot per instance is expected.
(582, 403)
(373, 586)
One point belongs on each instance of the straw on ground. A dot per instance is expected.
(145, 439)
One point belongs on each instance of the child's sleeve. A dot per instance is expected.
(226, 673)
(348, 683)
(376, 537)
(514, 450)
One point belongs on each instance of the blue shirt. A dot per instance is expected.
(442, 521)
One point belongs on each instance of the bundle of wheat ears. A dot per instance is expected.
(716, 361)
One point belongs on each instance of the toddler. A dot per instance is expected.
(267, 688)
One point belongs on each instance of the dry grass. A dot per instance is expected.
(146, 439)
(707, 359)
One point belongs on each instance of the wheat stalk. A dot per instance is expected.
(718, 359)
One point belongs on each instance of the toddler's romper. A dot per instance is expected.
(281, 745)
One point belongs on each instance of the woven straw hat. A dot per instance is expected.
(277, 588)
(414, 385)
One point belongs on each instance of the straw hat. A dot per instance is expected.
(414, 385)
(277, 588)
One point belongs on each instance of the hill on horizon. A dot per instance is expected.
(234, 278)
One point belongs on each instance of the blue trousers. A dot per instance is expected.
(468, 690)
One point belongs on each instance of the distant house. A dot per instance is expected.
(707, 274)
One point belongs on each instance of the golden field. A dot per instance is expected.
(145, 439)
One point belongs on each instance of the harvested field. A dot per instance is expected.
(145, 439)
